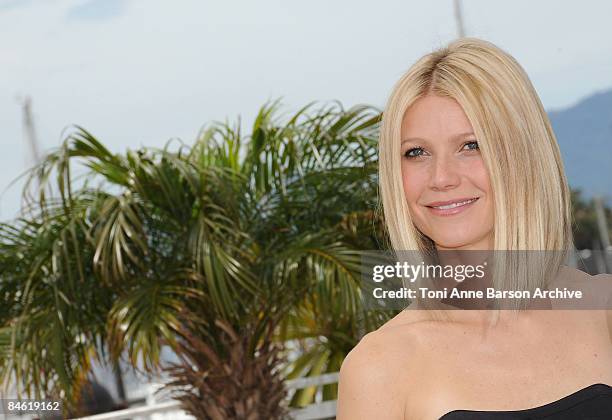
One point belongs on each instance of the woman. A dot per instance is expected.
(468, 161)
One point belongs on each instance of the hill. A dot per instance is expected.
(584, 133)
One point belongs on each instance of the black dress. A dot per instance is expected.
(592, 402)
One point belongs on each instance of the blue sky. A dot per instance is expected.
(139, 72)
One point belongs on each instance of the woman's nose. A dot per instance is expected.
(444, 174)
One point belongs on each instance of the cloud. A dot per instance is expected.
(96, 10)
(12, 4)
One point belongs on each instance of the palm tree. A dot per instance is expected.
(222, 250)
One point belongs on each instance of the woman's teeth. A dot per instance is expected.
(453, 205)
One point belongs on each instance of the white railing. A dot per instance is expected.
(167, 407)
(172, 409)
(318, 410)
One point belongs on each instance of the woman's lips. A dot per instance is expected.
(449, 208)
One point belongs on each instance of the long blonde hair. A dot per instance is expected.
(530, 192)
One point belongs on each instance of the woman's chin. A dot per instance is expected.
(458, 243)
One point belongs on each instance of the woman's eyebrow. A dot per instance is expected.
(455, 137)
(413, 139)
(463, 135)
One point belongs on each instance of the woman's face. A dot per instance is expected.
(445, 180)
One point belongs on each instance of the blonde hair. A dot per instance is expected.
(530, 192)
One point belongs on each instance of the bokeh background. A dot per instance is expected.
(136, 72)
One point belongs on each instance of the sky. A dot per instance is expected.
(140, 72)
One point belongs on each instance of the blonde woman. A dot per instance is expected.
(468, 161)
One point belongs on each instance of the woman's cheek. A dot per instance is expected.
(414, 183)
(407, 182)
(475, 170)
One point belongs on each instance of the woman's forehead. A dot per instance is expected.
(433, 117)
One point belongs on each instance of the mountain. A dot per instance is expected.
(584, 133)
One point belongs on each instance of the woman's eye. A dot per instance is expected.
(471, 145)
(414, 152)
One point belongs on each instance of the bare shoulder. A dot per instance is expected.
(604, 280)
(603, 283)
(571, 274)
(376, 374)
(600, 284)
(599, 288)
(370, 380)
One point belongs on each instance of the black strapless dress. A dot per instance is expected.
(592, 402)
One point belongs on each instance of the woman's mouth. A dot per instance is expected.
(451, 207)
